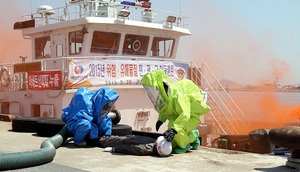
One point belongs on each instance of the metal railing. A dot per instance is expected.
(225, 116)
(98, 8)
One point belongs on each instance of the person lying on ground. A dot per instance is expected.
(136, 145)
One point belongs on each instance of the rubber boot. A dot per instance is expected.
(196, 143)
(181, 150)
(82, 145)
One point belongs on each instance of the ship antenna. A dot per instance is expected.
(180, 7)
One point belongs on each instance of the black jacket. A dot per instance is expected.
(130, 144)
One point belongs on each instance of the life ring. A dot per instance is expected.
(136, 45)
(4, 77)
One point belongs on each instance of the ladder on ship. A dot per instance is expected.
(225, 116)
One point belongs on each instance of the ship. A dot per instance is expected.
(97, 43)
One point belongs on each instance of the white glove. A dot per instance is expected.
(107, 149)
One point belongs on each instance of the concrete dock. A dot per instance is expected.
(71, 158)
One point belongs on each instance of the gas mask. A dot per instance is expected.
(106, 108)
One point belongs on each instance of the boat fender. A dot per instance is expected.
(4, 77)
(136, 45)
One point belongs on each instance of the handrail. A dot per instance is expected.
(96, 8)
(224, 89)
(225, 114)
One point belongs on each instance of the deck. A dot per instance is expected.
(70, 158)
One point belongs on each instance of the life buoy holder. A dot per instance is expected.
(4, 77)
(136, 45)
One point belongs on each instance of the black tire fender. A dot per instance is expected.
(121, 130)
(49, 127)
(25, 124)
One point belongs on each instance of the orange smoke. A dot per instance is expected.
(276, 112)
(12, 46)
(12, 43)
(265, 110)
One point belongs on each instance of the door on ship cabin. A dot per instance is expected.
(58, 48)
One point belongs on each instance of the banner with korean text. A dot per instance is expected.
(44, 80)
(89, 73)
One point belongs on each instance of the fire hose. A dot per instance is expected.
(47, 151)
(44, 155)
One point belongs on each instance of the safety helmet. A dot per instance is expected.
(163, 147)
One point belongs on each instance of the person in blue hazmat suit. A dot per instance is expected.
(179, 102)
(86, 116)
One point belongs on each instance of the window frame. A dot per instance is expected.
(156, 42)
(135, 44)
(74, 45)
(41, 46)
(105, 42)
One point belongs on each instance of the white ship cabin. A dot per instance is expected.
(97, 43)
(92, 43)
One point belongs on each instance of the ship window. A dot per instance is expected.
(162, 47)
(75, 42)
(135, 44)
(42, 47)
(105, 42)
(59, 50)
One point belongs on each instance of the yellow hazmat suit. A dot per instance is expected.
(180, 102)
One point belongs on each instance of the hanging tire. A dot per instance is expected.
(49, 127)
(25, 124)
(121, 130)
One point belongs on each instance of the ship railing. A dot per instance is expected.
(225, 116)
(96, 8)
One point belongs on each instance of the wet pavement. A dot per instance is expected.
(71, 158)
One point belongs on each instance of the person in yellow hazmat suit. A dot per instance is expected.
(179, 102)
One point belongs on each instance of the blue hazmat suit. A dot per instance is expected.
(87, 112)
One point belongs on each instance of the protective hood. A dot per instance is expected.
(80, 102)
(153, 83)
(103, 101)
(92, 103)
